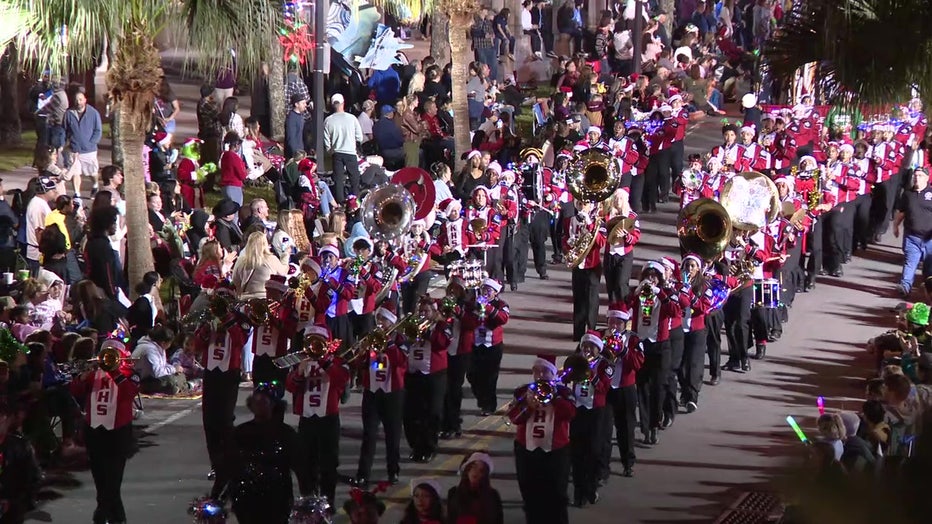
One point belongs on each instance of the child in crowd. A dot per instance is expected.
(19, 323)
(186, 357)
(832, 431)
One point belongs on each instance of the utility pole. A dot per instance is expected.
(636, 37)
(321, 67)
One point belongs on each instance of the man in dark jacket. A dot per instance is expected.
(387, 135)
(294, 125)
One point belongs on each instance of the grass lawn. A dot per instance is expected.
(249, 194)
(15, 157)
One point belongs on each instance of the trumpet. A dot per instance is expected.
(109, 360)
(316, 347)
(576, 368)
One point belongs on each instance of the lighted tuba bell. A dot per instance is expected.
(704, 227)
(593, 176)
(387, 212)
(691, 179)
(751, 199)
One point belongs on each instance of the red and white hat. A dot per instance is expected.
(621, 314)
(492, 283)
(329, 249)
(160, 137)
(592, 337)
(670, 263)
(275, 286)
(545, 364)
(312, 264)
(694, 257)
(478, 456)
(387, 314)
(317, 330)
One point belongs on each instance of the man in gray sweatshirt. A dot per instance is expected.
(342, 133)
(83, 129)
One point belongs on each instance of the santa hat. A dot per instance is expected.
(387, 314)
(694, 257)
(419, 222)
(424, 481)
(656, 266)
(312, 264)
(492, 283)
(478, 456)
(447, 205)
(114, 344)
(192, 141)
(749, 128)
(670, 263)
(545, 364)
(594, 129)
(846, 147)
(275, 286)
(473, 154)
(781, 180)
(329, 249)
(808, 157)
(322, 331)
(767, 116)
(592, 337)
(666, 108)
(477, 189)
(352, 204)
(161, 138)
(621, 314)
(307, 166)
(675, 98)
(494, 166)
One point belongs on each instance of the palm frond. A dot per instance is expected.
(873, 49)
(248, 27)
(14, 19)
(406, 9)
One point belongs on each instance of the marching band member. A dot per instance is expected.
(426, 383)
(593, 140)
(636, 134)
(714, 180)
(317, 385)
(715, 320)
(108, 398)
(486, 233)
(805, 184)
(793, 276)
(677, 123)
(729, 153)
(658, 163)
(542, 460)
(453, 240)
(537, 211)
(482, 328)
(652, 308)
(737, 310)
(336, 291)
(689, 184)
(839, 221)
(458, 357)
(586, 274)
(383, 400)
(367, 289)
(563, 205)
(417, 240)
(695, 337)
(619, 257)
(506, 197)
(219, 342)
(258, 460)
(273, 338)
(682, 296)
(751, 152)
(625, 151)
(624, 348)
(886, 165)
(860, 207)
(785, 145)
(585, 431)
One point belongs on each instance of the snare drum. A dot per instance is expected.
(767, 293)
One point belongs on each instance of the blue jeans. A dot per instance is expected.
(916, 250)
(716, 98)
(489, 58)
(234, 193)
(326, 197)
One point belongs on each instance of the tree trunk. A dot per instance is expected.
(132, 133)
(116, 154)
(461, 56)
(11, 132)
(439, 43)
(277, 96)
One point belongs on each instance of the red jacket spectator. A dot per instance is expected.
(232, 169)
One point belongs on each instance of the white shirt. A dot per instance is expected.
(151, 361)
(526, 24)
(365, 122)
(36, 212)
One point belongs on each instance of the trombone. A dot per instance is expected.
(576, 368)
(316, 347)
(109, 359)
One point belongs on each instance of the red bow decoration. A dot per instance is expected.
(297, 43)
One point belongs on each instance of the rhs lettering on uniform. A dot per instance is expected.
(539, 429)
(103, 401)
(419, 358)
(219, 352)
(380, 376)
(317, 394)
(264, 341)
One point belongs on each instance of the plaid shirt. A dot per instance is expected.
(295, 85)
(208, 120)
(482, 34)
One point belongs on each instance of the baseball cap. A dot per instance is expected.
(386, 109)
(336, 99)
(44, 182)
(297, 97)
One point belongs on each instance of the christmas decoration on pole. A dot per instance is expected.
(294, 37)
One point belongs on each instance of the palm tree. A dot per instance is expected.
(66, 33)
(875, 51)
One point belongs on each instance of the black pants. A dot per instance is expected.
(341, 329)
(677, 156)
(862, 221)
(792, 275)
(534, 35)
(484, 365)
(532, 235)
(423, 410)
(651, 383)
(617, 275)
(453, 399)
(585, 444)
(713, 340)
(676, 362)
(737, 312)
(884, 196)
(542, 479)
(265, 370)
(845, 229)
(585, 300)
(624, 402)
(657, 181)
(362, 324)
(694, 349)
(637, 193)
(221, 389)
(413, 290)
(345, 166)
(320, 437)
(384, 408)
(814, 243)
(493, 261)
(107, 451)
(509, 254)
(832, 234)
(604, 445)
(567, 210)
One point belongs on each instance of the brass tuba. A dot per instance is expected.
(593, 175)
(582, 244)
(751, 199)
(387, 212)
(704, 227)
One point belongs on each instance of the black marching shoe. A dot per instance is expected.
(361, 483)
(545, 276)
(760, 351)
(578, 500)
(733, 365)
(628, 472)
(446, 435)
(593, 497)
(652, 437)
(691, 407)
(715, 381)
(393, 478)
(513, 286)
(745, 365)
(668, 419)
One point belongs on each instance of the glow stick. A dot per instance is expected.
(799, 432)
(821, 403)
